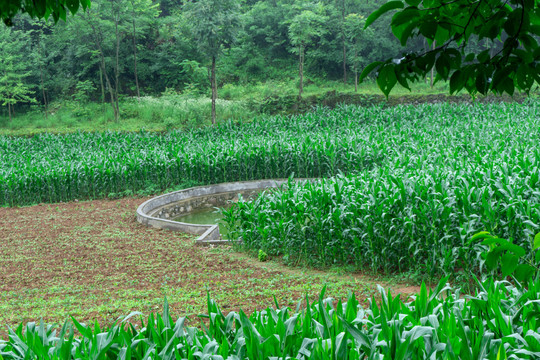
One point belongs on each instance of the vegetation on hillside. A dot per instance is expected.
(131, 48)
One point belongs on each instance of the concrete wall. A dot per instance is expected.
(158, 212)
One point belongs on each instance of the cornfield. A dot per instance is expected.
(443, 174)
(499, 322)
(54, 168)
(474, 142)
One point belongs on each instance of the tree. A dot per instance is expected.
(143, 12)
(355, 34)
(304, 27)
(215, 24)
(13, 70)
(40, 8)
(449, 26)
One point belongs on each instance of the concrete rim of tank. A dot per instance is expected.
(208, 234)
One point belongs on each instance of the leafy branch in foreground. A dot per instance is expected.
(449, 26)
(513, 259)
(58, 9)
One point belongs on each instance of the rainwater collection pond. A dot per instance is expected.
(204, 217)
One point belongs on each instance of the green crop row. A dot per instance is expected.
(499, 322)
(471, 141)
(53, 168)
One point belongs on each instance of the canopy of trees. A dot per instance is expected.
(119, 48)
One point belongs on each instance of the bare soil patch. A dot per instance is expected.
(94, 261)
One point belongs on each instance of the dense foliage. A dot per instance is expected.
(131, 48)
(449, 26)
(500, 321)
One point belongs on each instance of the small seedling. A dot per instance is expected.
(262, 255)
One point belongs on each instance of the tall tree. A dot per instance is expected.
(142, 13)
(215, 24)
(304, 28)
(343, 39)
(355, 33)
(13, 70)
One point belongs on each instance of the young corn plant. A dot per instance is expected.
(499, 321)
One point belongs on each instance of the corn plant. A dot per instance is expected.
(500, 321)
(485, 149)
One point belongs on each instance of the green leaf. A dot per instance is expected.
(389, 6)
(442, 65)
(512, 24)
(457, 82)
(509, 263)
(386, 80)
(481, 83)
(524, 272)
(368, 69)
(525, 77)
(536, 242)
(492, 259)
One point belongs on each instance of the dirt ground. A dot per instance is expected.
(94, 261)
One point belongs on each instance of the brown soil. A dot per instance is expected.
(94, 261)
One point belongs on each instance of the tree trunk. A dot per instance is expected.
(135, 59)
(43, 90)
(344, 44)
(9, 111)
(355, 69)
(301, 71)
(432, 69)
(103, 71)
(116, 70)
(111, 92)
(214, 89)
(425, 47)
(102, 85)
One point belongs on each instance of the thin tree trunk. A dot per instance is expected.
(102, 85)
(425, 47)
(111, 92)
(432, 69)
(214, 89)
(43, 90)
(116, 70)
(9, 104)
(301, 71)
(135, 51)
(135, 60)
(344, 44)
(114, 103)
(355, 69)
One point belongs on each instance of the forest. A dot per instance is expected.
(127, 49)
